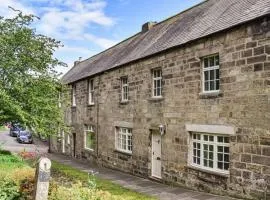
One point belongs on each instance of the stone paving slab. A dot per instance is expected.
(145, 186)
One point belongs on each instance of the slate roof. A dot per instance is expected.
(206, 18)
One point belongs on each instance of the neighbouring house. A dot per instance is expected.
(185, 101)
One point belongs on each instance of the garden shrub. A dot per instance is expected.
(5, 152)
(25, 178)
(9, 190)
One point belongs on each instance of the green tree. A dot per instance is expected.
(29, 83)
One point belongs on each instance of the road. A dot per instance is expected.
(9, 143)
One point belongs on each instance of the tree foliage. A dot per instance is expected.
(29, 84)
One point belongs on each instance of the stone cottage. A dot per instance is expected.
(185, 101)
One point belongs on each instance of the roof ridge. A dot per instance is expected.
(180, 13)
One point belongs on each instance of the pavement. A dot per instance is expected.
(141, 185)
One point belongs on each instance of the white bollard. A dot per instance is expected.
(42, 179)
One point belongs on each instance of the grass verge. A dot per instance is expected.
(104, 185)
(3, 128)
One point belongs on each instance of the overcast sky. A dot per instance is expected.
(87, 27)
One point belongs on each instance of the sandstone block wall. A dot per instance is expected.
(243, 102)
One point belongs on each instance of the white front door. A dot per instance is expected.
(156, 154)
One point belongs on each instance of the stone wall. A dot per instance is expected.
(244, 103)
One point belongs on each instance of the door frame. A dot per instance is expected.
(155, 132)
(74, 145)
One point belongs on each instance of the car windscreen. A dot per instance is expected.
(24, 133)
(19, 128)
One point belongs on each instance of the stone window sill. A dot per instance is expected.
(91, 105)
(225, 174)
(122, 152)
(210, 95)
(124, 102)
(89, 150)
(156, 99)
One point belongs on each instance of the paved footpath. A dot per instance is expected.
(161, 191)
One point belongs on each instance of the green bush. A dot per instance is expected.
(5, 152)
(9, 190)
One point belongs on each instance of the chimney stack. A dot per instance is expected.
(147, 26)
(77, 61)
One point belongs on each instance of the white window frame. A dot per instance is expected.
(74, 95)
(215, 144)
(124, 89)
(212, 130)
(88, 129)
(119, 133)
(214, 68)
(91, 91)
(156, 79)
(68, 138)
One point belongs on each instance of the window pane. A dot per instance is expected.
(217, 60)
(198, 161)
(217, 85)
(206, 75)
(206, 62)
(220, 139)
(211, 138)
(220, 165)
(211, 147)
(158, 92)
(220, 157)
(226, 140)
(212, 61)
(226, 157)
(205, 137)
(211, 155)
(206, 86)
(217, 73)
(226, 166)
(211, 164)
(220, 149)
(205, 147)
(89, 140)
(226, 149)
(198, 136)
(212, 75)
(205, 162)
(205, 154)
(212, 85)
(194, 136)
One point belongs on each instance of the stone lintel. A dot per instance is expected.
(218, 129)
